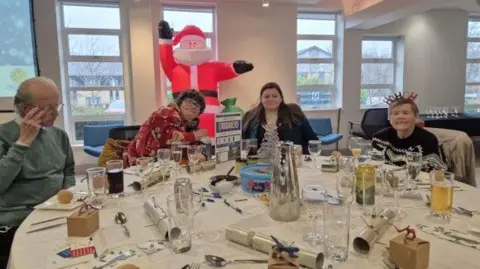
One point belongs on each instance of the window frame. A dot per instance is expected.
(469, 107)
(64, 33)
(208, 35)
(393, 60)
(320, 37)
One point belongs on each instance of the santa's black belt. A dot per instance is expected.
(206, 93)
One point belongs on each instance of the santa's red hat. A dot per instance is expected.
(190, 32)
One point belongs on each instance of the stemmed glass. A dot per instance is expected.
(414, 166)
(177, 156)
(314, 198)
(397, 182)
(315, 149)
(163, 159)
(194, 154)
(377, 158)
(198, 204)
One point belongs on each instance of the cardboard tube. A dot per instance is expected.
(370, 234)
(158, 216)
(264, 243)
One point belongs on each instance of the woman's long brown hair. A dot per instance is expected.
(288, 114)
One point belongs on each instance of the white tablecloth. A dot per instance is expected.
(30, 251)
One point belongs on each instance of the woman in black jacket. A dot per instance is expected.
(274, 117)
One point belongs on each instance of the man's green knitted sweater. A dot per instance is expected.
(31, 175)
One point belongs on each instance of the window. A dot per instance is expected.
(472, 86)
(17, 53)
(93, 64)
(180, 16)
(316, 57)
(379, 71)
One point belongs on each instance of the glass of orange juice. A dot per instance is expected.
(441, 201)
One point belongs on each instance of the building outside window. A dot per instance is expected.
(472, 86)
(93, 64)
(381, 73)
(316, 60)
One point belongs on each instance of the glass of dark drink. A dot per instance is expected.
(115, 178)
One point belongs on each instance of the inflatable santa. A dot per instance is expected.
(189, 67)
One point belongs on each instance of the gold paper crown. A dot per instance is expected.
(399, 96)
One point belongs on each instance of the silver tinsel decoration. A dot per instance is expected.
(269, 143)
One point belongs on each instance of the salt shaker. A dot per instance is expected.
(183, 193)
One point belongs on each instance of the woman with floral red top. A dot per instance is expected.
(175, 122)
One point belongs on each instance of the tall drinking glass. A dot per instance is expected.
(177, 155)
(336, 223)
(96, 181)
(179, 224)
(345, 187)
(365, 182)
(163, 158)
(441, 194)
(414, 166)
(315, 149)
(115, 178)
(313, 198)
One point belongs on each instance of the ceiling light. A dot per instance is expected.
(265, 3)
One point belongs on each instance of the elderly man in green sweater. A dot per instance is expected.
(36, 159)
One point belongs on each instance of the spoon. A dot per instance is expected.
(221, 262)
(121, 219)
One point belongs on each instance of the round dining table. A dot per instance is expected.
(35, 250)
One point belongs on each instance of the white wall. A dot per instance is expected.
(263, 36)
(435, 55)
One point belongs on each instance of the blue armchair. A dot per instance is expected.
(95, 137)
(323, 128)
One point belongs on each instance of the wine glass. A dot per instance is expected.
(315, 148)
(163, 159)
(397, 182)
(198, 204)
(414, 166)
(314, 198)
(177, 156)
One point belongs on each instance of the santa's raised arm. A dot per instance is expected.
(189, 65)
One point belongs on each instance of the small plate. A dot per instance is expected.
(53, 204)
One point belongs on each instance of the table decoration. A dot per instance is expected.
(256, 178)
(159, 217)
(264, 244)
(364, 242)
(282, 257)
(83, 222)
(151, 176)
(408, 251)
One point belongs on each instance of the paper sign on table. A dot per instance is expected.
(76, 250)
(228, 134)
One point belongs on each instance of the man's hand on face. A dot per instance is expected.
(30, 126)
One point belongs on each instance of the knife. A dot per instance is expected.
(46, 227)
(45, 221)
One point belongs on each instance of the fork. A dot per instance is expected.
(195, 266)
(389, 263)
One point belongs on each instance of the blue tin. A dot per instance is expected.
(256, 178)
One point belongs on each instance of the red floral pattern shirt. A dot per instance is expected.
(162, 128)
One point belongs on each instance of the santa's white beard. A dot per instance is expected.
(192, 56)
